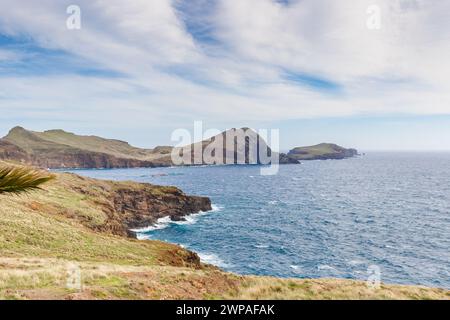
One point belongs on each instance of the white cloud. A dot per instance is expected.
(401, 68)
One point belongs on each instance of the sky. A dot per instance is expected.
(369, 74)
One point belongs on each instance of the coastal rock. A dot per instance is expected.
(142, 207)
(288, 159)
(129, 205)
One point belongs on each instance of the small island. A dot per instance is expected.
(322, 151)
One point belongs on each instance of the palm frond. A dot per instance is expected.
(17, 180)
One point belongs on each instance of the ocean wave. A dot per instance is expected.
(326, 267)
(216, 208)
(161, 223)
(164, 222)
(355, 262)
(295, 268)
(213, 259)
(261, 246)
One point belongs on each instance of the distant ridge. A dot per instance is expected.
(61, 149)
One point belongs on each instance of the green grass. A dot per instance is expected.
(54, 223)
(60, 141)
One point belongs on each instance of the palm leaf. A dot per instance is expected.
(21, 179)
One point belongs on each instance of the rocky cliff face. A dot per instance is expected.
(84, 160)
(9, 151)
(58, 149)
(128, 205)
(141, 208)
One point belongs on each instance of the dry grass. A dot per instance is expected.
(329, 289)
(25, 278)
(37, 278)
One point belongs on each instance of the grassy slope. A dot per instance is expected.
(62, 141)
(30, 142)
(41, 234)
(116, 148)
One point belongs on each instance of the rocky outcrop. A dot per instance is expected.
(141, 208)
(287, 159)
(129, 205)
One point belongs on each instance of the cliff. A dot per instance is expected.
(117, 207)
(323, 151)
(61, 149)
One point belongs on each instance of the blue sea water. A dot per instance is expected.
(318, 219)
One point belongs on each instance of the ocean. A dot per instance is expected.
(336, 218)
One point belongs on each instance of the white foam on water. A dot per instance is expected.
(261, 246)
(355, 262)
(216, 208)
(191, 219)
(325, 267)
(295, 267)
(161, 223)
(213, 259)
(164, 222)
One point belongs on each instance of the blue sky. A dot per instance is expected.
(137, 70)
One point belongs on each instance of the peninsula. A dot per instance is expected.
(58, 149)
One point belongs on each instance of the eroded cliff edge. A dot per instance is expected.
(116, 207)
